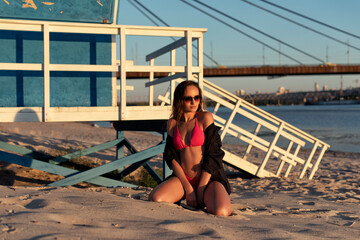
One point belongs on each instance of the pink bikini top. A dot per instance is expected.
(197, 137)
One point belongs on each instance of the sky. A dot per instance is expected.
(231, 48)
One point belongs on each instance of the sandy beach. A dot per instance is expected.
(326, 207)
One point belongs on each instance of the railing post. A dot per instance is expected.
(307, 163)
(290, 166)
(283, 162)
(46, 69)
(166, 170)
(122, 32)
(216, 108)
(114, 79)
(189, 55)
(316, 165)
(172, 82)
(248, 149)
(201, 62)
(120, 153)
(151, 88)
(228, 122)
(270, 149)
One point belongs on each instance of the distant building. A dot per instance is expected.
(240, 92)
(281, 90)
(316, 87)
(325, 88)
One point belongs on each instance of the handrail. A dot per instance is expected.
(179, 43)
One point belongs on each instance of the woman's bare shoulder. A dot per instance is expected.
(170, 126)
(206, 118)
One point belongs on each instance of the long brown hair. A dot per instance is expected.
(177, 108)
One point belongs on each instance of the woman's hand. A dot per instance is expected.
(191, 198)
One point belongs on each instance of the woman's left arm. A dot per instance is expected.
(205, 176)
(204, 180)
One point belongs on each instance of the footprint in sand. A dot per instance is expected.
(36, 204)
(307, 203)
(189, 228)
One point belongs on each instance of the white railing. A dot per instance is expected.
(300, 149)
(116, 111)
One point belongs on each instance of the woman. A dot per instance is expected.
(193, 152)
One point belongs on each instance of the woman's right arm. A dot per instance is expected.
(189, 190)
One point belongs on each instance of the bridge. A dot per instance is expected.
(274, 71)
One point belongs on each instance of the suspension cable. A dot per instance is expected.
(301, 25)
(147, 16)
(163, 22)
(238, 30)
(312, 19)
(259, 31)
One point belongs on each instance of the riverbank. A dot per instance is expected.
(275, 208)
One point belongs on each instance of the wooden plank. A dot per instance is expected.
(15, 149)
(58, 170)
(89, 174)
(166, 69)
(247, 166)
(13, 26)
(165, 79)
(166, 49)
(86, 151)
(81, 29)
(21, 66)
(83, 68)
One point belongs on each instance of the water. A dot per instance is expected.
(337, 125)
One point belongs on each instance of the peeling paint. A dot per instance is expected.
(99, 2)
(6, 2)
(29, 4)
(48, 3)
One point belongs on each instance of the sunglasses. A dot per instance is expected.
(187, 99)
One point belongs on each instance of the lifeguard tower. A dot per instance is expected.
(58, 63)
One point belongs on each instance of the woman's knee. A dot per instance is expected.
(155, 196)
(169, 191)
(222, 211)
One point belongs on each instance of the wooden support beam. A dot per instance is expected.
(55, 169)
(94, 172)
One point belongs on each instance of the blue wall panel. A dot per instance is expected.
(67, 89)
(92, 11)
